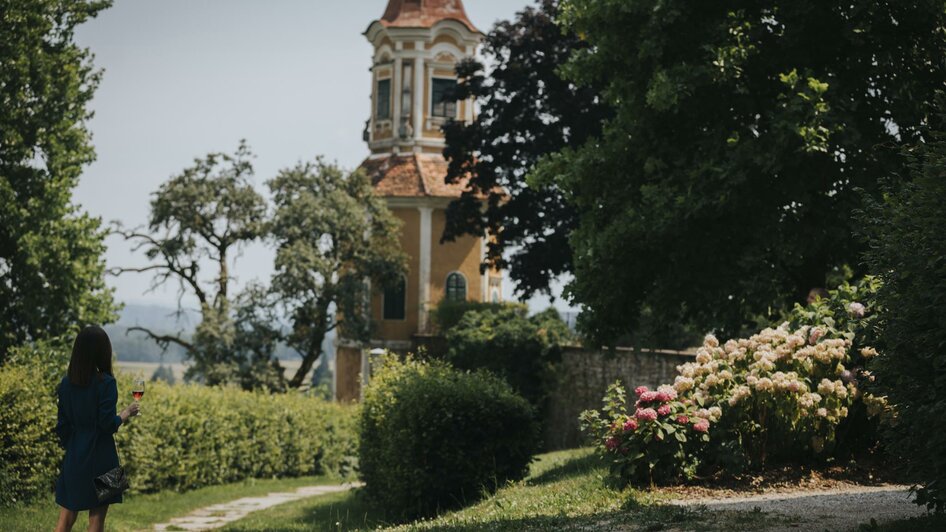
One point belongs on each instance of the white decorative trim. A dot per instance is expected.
(419, 91)
(417, 202)
(423, 287)
(396, 89)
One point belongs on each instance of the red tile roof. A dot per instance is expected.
(412, 175)
(424, 13)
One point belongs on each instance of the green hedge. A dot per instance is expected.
(29, 454)
(433, 437)
(188, 436)
(192, 436)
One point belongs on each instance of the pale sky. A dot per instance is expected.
(186, 77)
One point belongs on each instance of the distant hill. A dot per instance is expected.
(137, 347)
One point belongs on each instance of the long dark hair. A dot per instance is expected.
(91, 354)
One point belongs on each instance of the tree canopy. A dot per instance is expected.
(526, 110)
(335, 240)
(723, 187)
(204, 216)
(51, 266)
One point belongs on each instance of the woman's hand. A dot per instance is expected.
(129, 411)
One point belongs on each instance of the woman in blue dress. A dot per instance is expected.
(87, 420)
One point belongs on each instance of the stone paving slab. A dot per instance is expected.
(219, 515)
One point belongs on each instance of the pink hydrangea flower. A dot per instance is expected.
(646, 414)
(701, 425)
(664, 410)
(683, 420)
(647, 397)
(640, 389)
(815, 334)
(611, 443)
(630, 424)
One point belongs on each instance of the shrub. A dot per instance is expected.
(657, 443)
(781, 394)
(29, 453)
(504, 340)
(433, 437)
(191, 436)
(188, 436)
(907, 237)
(448, 314)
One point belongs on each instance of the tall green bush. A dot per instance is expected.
(907, 241)
(29, 454)
(506, 341)
(433, 437)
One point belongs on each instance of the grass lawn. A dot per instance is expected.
(565, 490)
(140, 512)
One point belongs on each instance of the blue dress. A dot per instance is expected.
(85, 426)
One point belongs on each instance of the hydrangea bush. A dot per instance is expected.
(784, 393)
(656, 441)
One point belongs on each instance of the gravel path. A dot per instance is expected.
(842, 509)
(219, 515)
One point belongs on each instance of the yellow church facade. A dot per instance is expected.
(416, 46)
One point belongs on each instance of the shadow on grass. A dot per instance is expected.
(572, 468)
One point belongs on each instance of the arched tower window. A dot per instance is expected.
(395, 301)
(456, 287)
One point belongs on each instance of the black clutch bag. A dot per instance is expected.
(111, 484)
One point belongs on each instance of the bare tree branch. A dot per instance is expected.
(163, 340)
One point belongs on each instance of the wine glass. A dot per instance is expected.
(138, 391)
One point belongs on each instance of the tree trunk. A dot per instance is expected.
(313, 350)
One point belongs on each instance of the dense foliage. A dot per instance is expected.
(907, 236)
(525, 110)
(504, 340)
(189, 436)
(447, 314)
(723, 188)
(656, 443)
(51, 267)
(331, 235)
(203, 216)
(788, 393)
(433, 437)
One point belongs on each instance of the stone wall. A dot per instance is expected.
(585, 375)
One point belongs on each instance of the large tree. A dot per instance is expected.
(722, 189)
(906, 232)
(201, 218)
(526, 110)
(335, 240)
(51, 266)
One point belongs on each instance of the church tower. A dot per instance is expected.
(417, 44)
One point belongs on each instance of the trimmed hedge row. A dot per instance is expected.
(29, 454)
(433, 437)
(187, 437)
